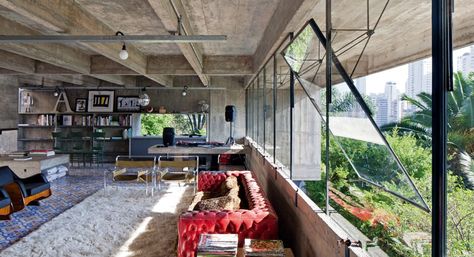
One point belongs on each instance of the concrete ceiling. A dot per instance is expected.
(254, 30)
(243, 21)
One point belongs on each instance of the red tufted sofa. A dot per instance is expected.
(258, 221)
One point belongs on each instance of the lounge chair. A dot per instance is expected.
(25, 191)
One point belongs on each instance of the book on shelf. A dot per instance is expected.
(26, 158)
(42, 152)
(214, 245)
(18, 154)
(257, 247)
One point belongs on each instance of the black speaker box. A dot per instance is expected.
(230, 113)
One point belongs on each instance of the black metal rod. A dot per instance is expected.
(274, 105)
(292, 107)
(329, 58)
(264, 109)
(441, 26)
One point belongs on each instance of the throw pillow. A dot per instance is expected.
(229, 183)
(226, 202)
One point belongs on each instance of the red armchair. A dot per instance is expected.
(259, 221)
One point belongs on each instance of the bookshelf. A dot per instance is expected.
(35, 130)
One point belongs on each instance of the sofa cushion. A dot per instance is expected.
(227, 202)
(4, 198)
(6, 176)
(35, 188)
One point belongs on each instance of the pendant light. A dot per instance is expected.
(123, 54)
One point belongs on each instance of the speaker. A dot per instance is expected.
(230, 113)
(168, 136)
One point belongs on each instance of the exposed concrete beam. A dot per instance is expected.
(9, 72)
(67, 13)
(170, 64)
(56, 54)
(103, 65)
(289, 16)
(179, 65)
(192, 52)
(30, 16)
(16, 62)
(228, 65)
(46, 68)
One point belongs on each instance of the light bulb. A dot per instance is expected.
(123, 53)
(56, 93)
(185, 91)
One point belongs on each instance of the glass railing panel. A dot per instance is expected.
(268, 107)
(282, 117)
(260, 109)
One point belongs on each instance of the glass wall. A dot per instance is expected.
(268, 107)
(379, 178)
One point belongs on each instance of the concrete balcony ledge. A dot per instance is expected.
(304, 226)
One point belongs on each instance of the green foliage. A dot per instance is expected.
(460, 124)
(406, 218)
(153, 124)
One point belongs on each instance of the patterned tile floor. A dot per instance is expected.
(67, 191)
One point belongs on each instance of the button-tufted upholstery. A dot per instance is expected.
(259, 221)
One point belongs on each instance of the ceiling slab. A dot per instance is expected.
(132, 17)
(242, 21)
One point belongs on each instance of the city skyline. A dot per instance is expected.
(375, 83)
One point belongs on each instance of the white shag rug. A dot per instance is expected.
(122, 223)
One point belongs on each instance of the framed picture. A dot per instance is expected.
(81, 105)
(100, 101)
(127, 104)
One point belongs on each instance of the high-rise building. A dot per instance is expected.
(361, 85)
(388, 104)
(419, 80)
(381, 116)
(466, 62)
(394, 107)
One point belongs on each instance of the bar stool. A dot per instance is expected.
(97, 149)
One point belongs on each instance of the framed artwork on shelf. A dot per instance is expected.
(127, 104)
(100, 101)
(81, 105)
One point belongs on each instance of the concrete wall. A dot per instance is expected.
(8, 141)
(8, 102)
(303, 226)
(8, 113)
(306, 135)
(233, 95)
(230, 93)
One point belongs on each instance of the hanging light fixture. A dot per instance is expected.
(123, 53)
(185, 91)
(143, 98)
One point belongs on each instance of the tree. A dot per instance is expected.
(460, 124)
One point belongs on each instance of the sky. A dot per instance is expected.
(375, 83)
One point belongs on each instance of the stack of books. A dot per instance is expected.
(217, 245)
(256, 247)
(18, 154)
(42, 152)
